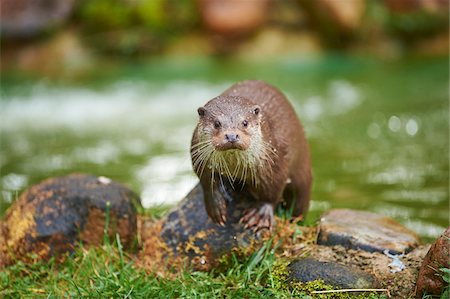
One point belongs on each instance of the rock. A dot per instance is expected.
(364, 230)
(188, 232)
(233, 18)
(400, 284)
(339, 276)
(50, 218)
(26, 18)
(430, 280)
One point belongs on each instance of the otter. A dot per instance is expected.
(250, 137)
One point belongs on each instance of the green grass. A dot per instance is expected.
(109, 272)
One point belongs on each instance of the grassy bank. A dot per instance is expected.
(109, 272)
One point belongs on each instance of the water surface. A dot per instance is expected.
(378, 130)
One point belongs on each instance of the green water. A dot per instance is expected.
(378, 130)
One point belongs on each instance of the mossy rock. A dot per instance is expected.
(337, 275)
(51, 217)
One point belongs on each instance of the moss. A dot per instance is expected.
(281, 282)
(280, 274)
(305, 290)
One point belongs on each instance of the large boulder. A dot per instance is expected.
(51, 217)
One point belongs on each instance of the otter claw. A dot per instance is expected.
(258, 218)
(223, 221)
(216, 208)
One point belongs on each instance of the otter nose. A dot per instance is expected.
(232, 137)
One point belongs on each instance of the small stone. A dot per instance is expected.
(50, 218)
(336, 275)
(430, 279)
(366, 231)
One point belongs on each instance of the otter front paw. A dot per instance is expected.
(259, 217)
(216, 207)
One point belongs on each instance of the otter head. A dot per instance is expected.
(230, 122)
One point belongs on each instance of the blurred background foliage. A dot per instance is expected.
(91, 85)
(77, 33)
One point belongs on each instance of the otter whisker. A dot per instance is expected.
(227, 171)
(245, 167)
(202, 160)
(199, 150)
(199, 157)
(213, 167)
(201, 145)
(237, 169)
(205, 163)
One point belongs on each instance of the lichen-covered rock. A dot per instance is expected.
(51, 217)
(430, 279)
(188, 232)
(336, 275)
(364, 230)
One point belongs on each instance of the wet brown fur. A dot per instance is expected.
(286, 170)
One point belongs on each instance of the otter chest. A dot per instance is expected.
(236, 166)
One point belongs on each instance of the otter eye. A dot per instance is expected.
(245, 123)
(217, 124)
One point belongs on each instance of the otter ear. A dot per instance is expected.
(201, 111)
(256, 109)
